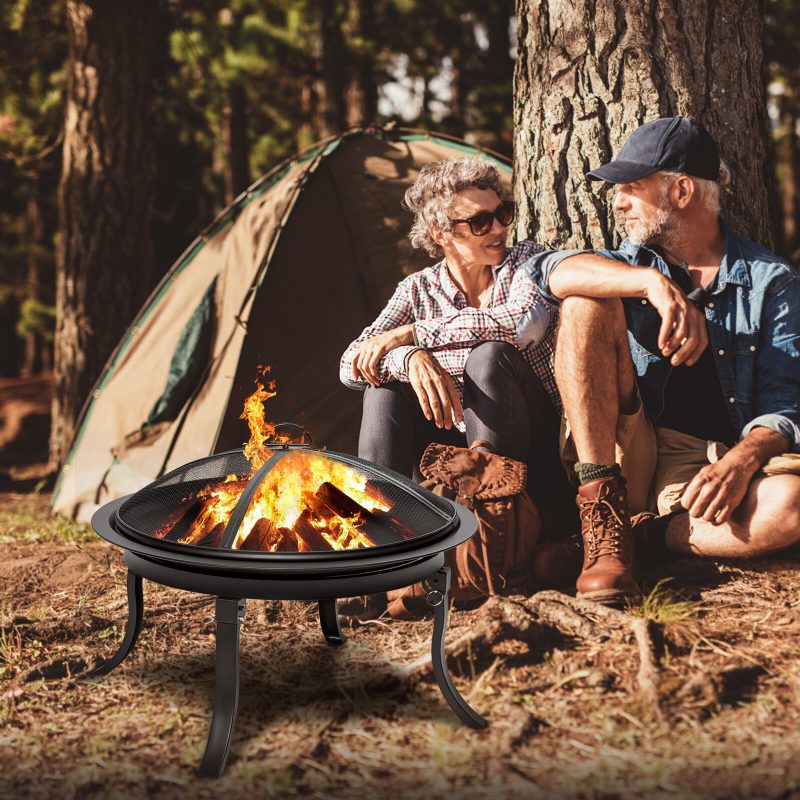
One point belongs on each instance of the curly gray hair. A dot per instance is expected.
(432, 195)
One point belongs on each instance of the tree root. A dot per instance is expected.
(527, 618)
(648, 675)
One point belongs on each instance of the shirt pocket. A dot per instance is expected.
(745, 348)
(644, 323)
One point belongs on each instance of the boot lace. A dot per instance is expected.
(606, 528)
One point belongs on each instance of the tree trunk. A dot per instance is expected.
(104, 257)
(237, 163)
(332, 120)
(35, 240)
(458, 92)
(362, 104)
(589, 72)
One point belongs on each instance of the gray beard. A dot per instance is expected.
(665, 229)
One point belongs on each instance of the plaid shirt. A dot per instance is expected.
(448, 328)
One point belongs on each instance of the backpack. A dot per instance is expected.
(498, 557)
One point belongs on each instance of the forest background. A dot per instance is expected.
(239, 86)
(233, 87)
(694, 694)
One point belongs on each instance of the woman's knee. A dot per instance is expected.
(384, 398)
(489, 359)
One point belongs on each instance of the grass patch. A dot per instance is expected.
(666, 605)
(32, 526)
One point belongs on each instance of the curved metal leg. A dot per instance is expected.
(229, 616)
(329, 619)
(132, 629)
(438, 586)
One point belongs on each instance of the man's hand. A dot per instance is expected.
(369, 352)
(435, 389)
(683, 334)
(718, 489)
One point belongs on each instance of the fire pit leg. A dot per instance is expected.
(438, 586)
(329, 619)
(132, 629)
(229, 616)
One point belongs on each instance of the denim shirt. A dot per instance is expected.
(752, 312)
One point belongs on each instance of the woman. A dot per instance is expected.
(445, 361)
(449, 358)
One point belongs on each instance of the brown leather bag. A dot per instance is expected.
(498, 557)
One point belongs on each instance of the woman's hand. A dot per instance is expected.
(435, 389)
(369, 352)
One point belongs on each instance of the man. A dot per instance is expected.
(678, 364)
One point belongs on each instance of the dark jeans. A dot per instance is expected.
(504, 403)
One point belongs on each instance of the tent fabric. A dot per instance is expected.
(290, 273)
(188, 360)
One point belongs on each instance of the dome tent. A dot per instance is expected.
(286, 276)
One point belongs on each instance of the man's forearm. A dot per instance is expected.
(757, 448)
(591, 275)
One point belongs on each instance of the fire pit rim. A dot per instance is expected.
(306, 566)
(409, 487)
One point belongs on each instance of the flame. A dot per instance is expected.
(290, 489)
(291, 498)
(261, 431)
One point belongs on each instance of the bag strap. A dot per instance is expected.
(482, 443)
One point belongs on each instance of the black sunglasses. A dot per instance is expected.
(481, 223)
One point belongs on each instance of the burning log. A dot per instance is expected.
(287, 543)
(311, 538)
(385, 517)
(376, 527)
(263, 535)
(338, 502)
(179, 524)
(213, 538)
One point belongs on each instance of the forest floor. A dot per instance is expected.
(694, 693)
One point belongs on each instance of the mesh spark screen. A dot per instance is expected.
(308, 501)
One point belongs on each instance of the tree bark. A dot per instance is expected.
(362, 104)
(588, 73)
(332, 64)
(32, 357)
(237, 163)
(104, 255)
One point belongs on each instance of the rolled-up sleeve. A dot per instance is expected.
(540, 267)
(398, 311)
(777, 368)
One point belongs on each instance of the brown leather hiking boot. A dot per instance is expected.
(608, 574)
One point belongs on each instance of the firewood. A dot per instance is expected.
(287, 541)
(311, 538)
(262, 536)
(213, 538)
(339, 502)
(179, 523)
(377, 530)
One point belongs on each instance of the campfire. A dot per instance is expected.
(307, 502)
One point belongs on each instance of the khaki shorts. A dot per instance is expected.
(659, 463)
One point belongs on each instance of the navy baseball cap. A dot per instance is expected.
(676, 144)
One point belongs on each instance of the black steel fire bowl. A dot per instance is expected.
(232, 575)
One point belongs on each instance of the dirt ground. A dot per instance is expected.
(692, 695)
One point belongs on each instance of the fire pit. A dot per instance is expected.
(296, 524)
